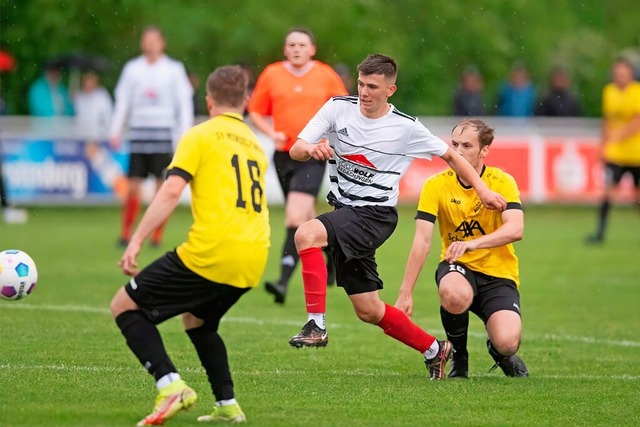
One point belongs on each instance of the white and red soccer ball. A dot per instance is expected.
(18, 274)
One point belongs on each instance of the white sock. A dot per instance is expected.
(433, 350)
(318, 318)
(167, 379)
(226, 402)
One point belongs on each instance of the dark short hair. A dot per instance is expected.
(379, 64)
(227, 85)
(485, 133)
(303, 30)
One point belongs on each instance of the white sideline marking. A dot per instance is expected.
(276, 321)
(360, 373)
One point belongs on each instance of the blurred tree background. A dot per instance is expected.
(432, 40)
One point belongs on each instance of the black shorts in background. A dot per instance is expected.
(490, 294)
(166, 288)
(615, 172)
(354, 233)
(304, 177)
(141, 165)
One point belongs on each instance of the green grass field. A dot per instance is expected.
(63, 362)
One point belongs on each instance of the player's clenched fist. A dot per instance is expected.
(321, 151)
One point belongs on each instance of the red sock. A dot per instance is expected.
(398, 325)
(129, 214)
(157, 233)
(314, 277)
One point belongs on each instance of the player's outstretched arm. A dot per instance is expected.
(463, 168)
(163, 204)
(417, 257)
(303, 151)
(511, 230)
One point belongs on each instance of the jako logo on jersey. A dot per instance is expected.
(468, 227)
(343, 131)
(456, 201)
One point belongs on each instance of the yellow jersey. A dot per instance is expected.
(620, 106)
(462, 216)
(225, 166)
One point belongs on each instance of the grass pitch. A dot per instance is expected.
(63, 361)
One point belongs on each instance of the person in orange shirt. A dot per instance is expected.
(620, 138)
(286, 96)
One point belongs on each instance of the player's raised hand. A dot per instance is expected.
(128, 262)
(321, 151)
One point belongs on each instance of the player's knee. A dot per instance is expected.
(368, 316)
(505, 345)
(305, 236)
(296, 219)
(121, 302)
(369, 312)
(454, 300)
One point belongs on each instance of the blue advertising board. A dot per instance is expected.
(62, 171)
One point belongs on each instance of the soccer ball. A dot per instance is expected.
(18, 274)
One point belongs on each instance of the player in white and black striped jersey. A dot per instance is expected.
(375, 145)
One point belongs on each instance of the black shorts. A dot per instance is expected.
(166, 288)
(304, 177)
(142, 165)
(615, 172)
(490, 294)
(354, 234)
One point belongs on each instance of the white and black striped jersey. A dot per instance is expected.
(155, 100)
(371, 155)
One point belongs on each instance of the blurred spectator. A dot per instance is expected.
(620, 138)
(154, 97)
(468, 99)
(93, 107)
(346, 74)
(10, 214)
(48, 96)
(517, 97)
(7, 63)
(559, 101)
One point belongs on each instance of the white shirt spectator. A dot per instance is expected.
(94, 110)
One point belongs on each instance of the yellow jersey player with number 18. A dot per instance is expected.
(223, 257)
(229, 239)
(478, 271)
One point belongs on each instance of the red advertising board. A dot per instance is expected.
(547, 169)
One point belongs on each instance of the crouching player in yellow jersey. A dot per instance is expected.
(223, 257)
(478, 271)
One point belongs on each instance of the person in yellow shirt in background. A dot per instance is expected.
(223, 257)
(620, 138)
(479, 269)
